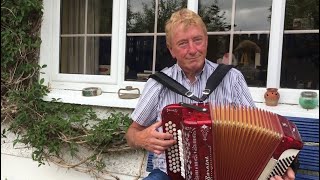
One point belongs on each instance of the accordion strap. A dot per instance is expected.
(213, 81)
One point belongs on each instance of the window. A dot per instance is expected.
(241, 30)
(89, 43)
(146, 50)
(86, 31)
(300, 55)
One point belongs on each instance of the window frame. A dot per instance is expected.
(68, 86)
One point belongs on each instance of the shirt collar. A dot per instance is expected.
(204, 69)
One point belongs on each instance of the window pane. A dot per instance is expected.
(164, 58)
(99, 17)
(72, 16)
(71, 60)
(252, 15)
(98, 55)
(139, 52)
(166, 8)
(251, 57)
(216, 14)
(140, 16)
(302, 14)
(217, 47)
(300, 61)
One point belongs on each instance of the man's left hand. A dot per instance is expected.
(289, 175)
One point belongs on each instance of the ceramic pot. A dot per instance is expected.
(308, 99)
(271, 97)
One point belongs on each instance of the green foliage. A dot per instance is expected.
(110, 130)
(51, 128)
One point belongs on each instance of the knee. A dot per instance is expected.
(157, 174)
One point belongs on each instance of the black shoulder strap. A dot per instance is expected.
(213, 81)
(173, 85)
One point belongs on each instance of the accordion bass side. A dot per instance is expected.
(228, 143)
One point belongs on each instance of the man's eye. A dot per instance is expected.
(198, 40)
(182, 44)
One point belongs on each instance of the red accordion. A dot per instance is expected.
(228, 143)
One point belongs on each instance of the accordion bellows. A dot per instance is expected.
(228, 143)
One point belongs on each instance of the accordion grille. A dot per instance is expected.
(244, 139)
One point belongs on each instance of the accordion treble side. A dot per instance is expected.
(228, 143)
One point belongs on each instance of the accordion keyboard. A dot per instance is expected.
(173, 154)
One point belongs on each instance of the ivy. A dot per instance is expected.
(54, 130)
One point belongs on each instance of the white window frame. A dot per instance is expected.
(68, 87)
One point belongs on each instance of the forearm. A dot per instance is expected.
(132, 135)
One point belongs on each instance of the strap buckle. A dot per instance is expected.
(206, 91)
(189, 94)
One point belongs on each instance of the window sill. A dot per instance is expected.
(293, 110)
(112, 100)
(105, 99)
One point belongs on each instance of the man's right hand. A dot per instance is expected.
(149, 138)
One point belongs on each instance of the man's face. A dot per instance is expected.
(189, 47)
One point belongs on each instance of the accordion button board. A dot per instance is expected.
(173, 156)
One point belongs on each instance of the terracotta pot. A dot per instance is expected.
(271, 97)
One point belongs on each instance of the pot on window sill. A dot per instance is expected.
(308, 99)
(271, 97)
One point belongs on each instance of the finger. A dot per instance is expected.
(277, 178)
(157, 125)
(289, 174)
(160, 148)
(166, 136)
(164, 142)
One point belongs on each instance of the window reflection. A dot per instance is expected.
(302, 14)
(217, 47)
(300, 52)
(164, 58)
(139, 52)
(166, 8)
(216, 15)
(141, 32)
(300, 61)
(251, 57)
(253, 15)
(140, 16)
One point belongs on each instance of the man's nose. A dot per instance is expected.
(192, 48)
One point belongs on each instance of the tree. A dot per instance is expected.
(214, 19)
(144, 21)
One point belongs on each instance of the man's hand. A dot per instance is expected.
(289, 175)
(149, 138)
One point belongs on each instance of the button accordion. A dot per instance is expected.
(228, 142)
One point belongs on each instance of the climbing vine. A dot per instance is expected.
(54, 130)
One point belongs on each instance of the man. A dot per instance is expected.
(187, 41)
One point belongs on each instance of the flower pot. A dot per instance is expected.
(308, 99)
(271, 97)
